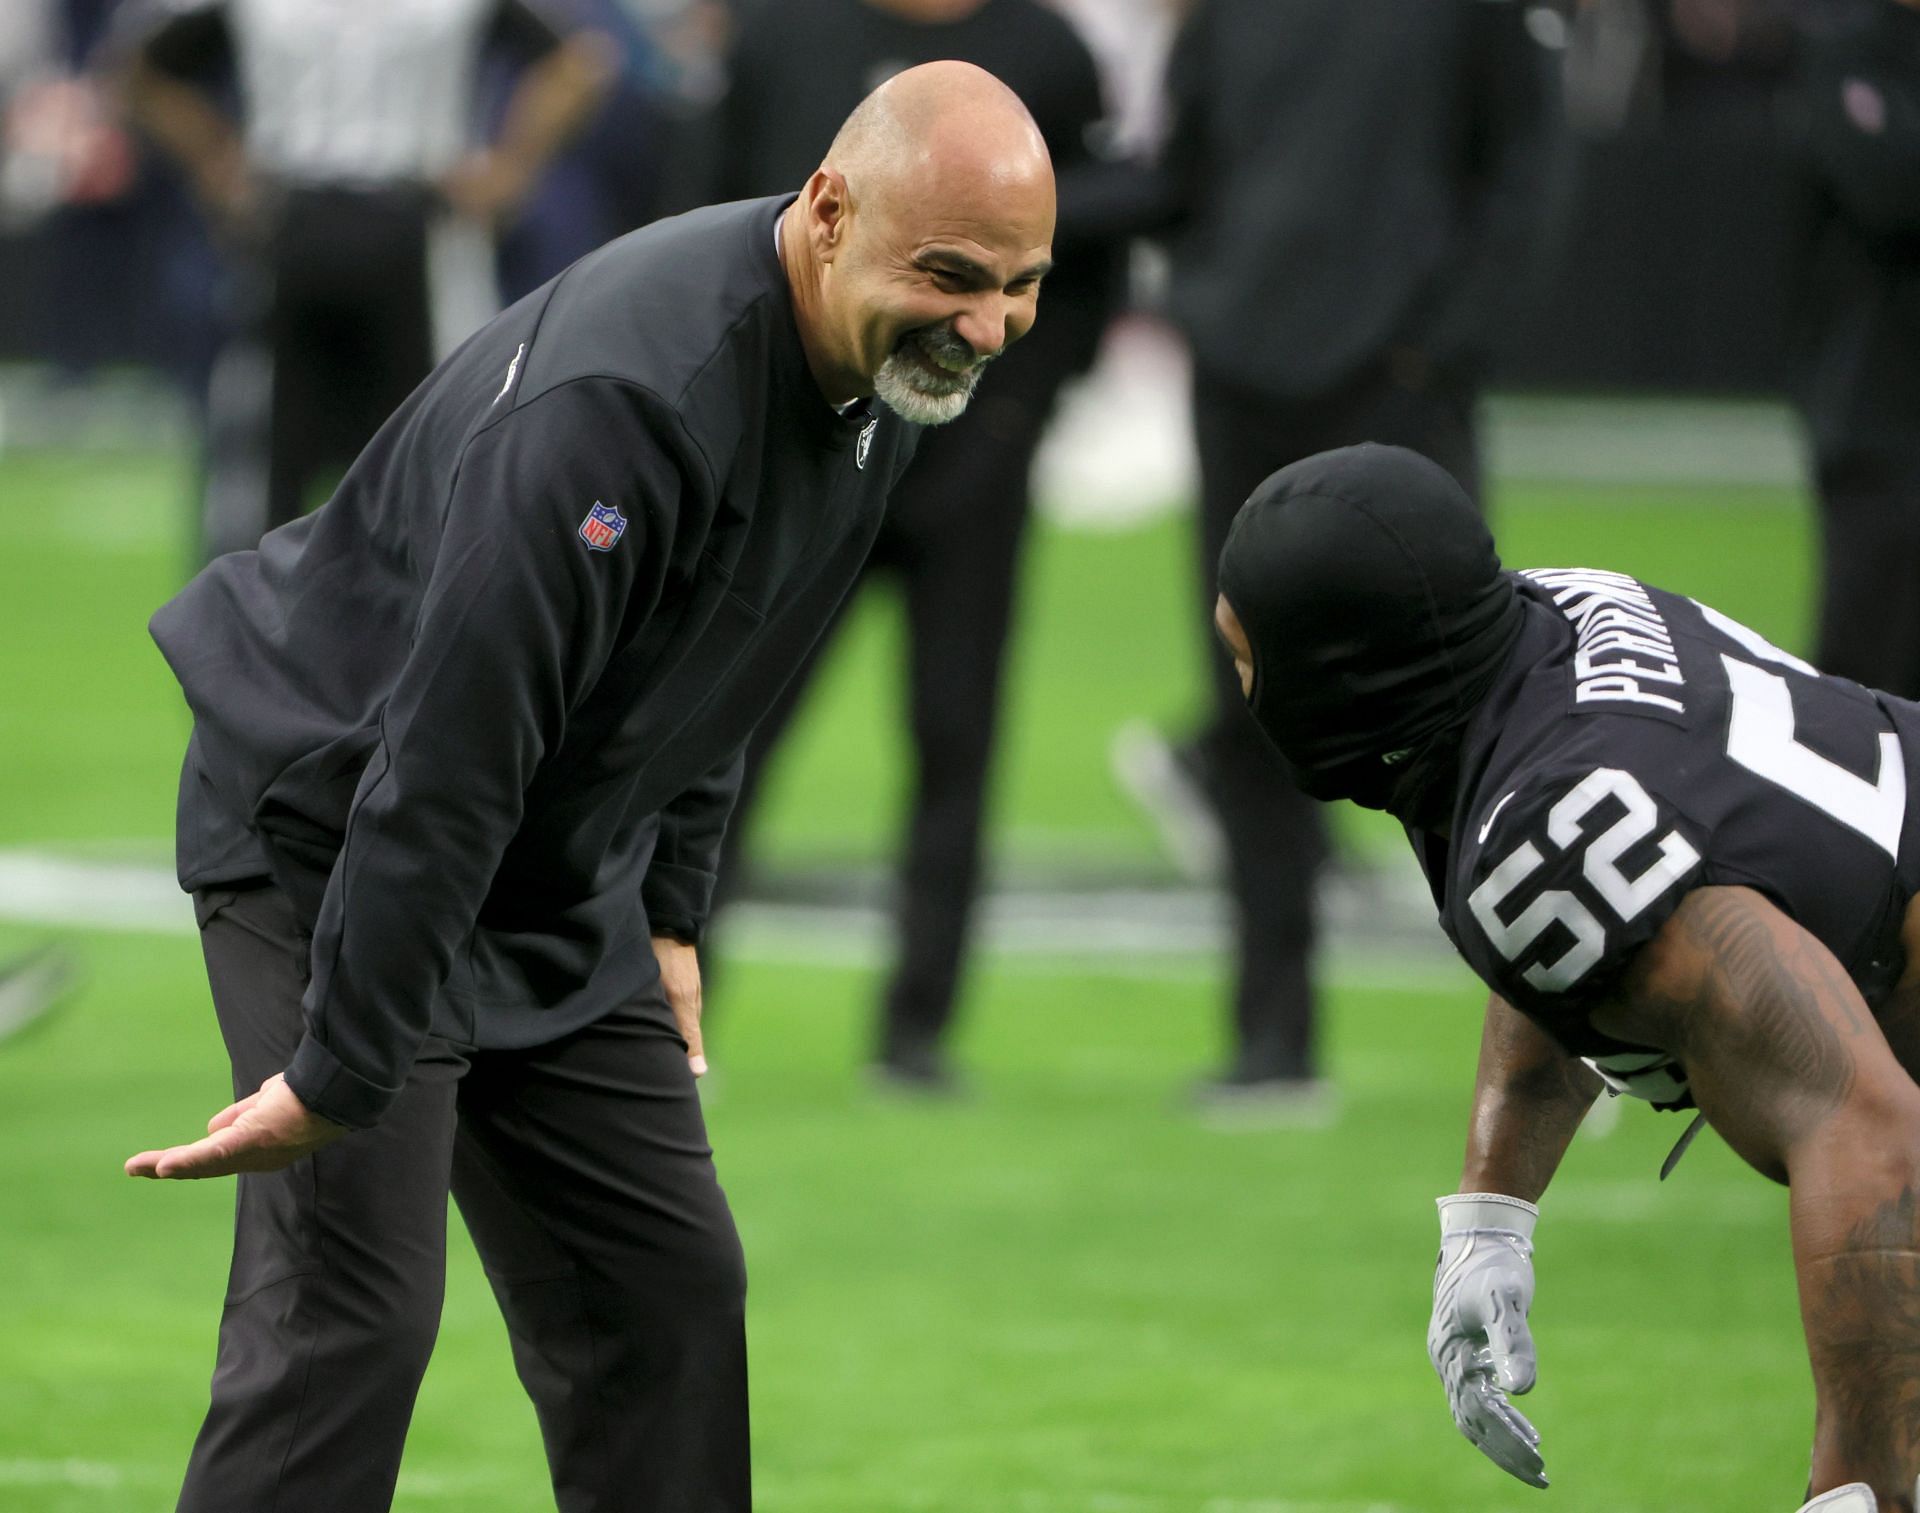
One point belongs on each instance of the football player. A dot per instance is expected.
(1683, 860)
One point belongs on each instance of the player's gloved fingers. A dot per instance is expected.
(1512, 1420)
(1453, 1363)
(1502, 1434)
(1448, 1351)
(1509, 1350)
(1487, 1405)
(1520, 1461)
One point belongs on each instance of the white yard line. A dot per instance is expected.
(1125, 1502)
(86, 1475)
(1636, 1200)
(43, 888)
(104, 1476)
(1129, 932)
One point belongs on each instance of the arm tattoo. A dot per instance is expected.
(1766, 1001)
(1863, 1328)
(1772, 1025)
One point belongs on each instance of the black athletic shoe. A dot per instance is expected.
(922, 1072)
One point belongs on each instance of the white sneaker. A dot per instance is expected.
(1232, 1105)
(1171, 794)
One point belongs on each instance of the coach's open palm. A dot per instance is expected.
(1478, 1338)
(263, 1132)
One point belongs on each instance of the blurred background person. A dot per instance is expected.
(1351, 196)
(1856, 121)
(611, 177)
(331, 143)
(80, 203)
(951, 540)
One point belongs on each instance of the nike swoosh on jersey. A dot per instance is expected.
(1487, 828)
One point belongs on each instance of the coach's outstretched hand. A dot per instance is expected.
(263, 1132)
(1478, 1338)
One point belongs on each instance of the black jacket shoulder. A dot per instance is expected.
(686, 308)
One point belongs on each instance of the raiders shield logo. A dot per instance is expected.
(865, 444)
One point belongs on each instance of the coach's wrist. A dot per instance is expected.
(328, 1088)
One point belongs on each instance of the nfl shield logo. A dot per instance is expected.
(603, 527)
(866, 442)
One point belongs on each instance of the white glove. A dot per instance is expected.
(1854, 1497)
(1478, 1339)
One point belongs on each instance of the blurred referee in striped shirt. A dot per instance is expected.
(333, 145)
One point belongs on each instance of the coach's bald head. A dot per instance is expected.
(916, 249)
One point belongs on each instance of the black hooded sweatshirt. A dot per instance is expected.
(481, 714)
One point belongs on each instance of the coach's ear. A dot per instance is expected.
(828, 205)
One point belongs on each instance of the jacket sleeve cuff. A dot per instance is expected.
(677, 900)
(328, 1089)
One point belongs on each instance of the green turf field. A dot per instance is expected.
(1060, 1296)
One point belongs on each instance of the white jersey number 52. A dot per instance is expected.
(1627, 897)
(1760, 737)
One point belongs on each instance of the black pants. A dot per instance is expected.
(1869, 610)
(336, 330)
(951, 540)
(1276, 837)
(583, 1173)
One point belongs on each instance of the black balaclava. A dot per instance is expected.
(1378, 615)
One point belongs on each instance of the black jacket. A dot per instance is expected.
(1856, 118)
(485, 730)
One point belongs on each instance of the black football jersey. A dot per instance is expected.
(1640, 745)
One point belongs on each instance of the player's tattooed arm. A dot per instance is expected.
(1745, 998)
(1860, 1295)
(1791, 1068)
(1529, 1097)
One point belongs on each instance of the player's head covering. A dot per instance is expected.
(1378, 615)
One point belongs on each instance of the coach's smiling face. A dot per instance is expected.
(934, 296)
(930, 234)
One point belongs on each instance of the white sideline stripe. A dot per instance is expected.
(1134, 1502)
(40, 889)
(1637, 1201)
(92, 1475)
(1127, 1502)
(102, 1476)
(1122, 932)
